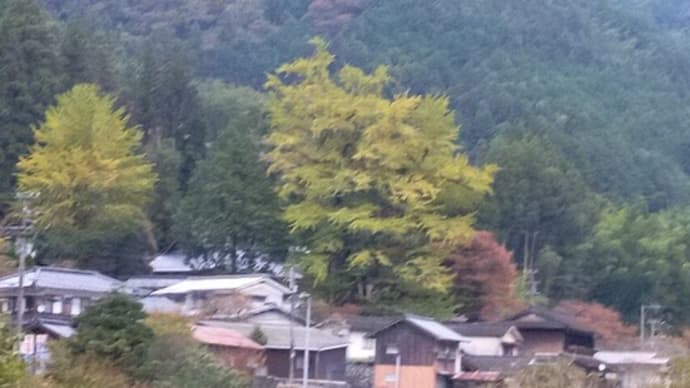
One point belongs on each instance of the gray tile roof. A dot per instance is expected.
(370, 323)
(551, 319)
(63, 278)
(279, 335)
(480, 329)
(143, 285)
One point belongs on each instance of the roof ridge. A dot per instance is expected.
(248, 275)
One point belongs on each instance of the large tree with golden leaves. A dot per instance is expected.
(377, 187)
(92, 185)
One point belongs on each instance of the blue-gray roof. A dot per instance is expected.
(428, 325)
(434, 328)
(62, 279)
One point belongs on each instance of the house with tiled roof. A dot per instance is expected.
(326, 351)
(194, 294)
(415, 351)
(488, 338)
(54, 296)
(547, 331)
(231, 348)
(356, 328)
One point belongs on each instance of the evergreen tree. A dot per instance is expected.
(30, 75)
(166, 104)
(366, 177)
(166, 160)
(232, 210)
(86, 56)
(539, 199)
(113, 329)
(92, 185)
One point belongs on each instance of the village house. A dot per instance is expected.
(361, 347)
(416, 351)
(195, 294)
(267, 314)
(144, 285)
(488, 338)
(232, 349)
(54, 296)
(326, 351)
(547, 331)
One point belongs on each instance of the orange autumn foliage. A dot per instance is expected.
(604, 321)
(485, 278)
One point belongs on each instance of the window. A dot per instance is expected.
(299, 362)
(5, 305)
(76, 306)
(392, 350)
(57, 306)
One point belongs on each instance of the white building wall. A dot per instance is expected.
(482, 346)
(360, 348)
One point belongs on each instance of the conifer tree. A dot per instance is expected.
(369, 179)
(29, 78)
(166, 104)
(233, 211)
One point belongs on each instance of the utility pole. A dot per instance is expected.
(293, 294)
(22, 265)
(643, 319)
(305, 370)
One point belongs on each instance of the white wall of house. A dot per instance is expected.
(360, 348)
(482, 346)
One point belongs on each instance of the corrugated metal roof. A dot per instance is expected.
(63, 278)
(223, 337)
(217, 283)
(480, 329)
(434, 328)
(278, 336)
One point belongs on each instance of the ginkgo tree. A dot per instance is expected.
(376, 187)
(92, 185)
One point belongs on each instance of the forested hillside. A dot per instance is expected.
(583, 106)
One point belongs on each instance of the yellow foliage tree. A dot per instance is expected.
(91, 183)
(376, 185)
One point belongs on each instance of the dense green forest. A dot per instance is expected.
(583, 106)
